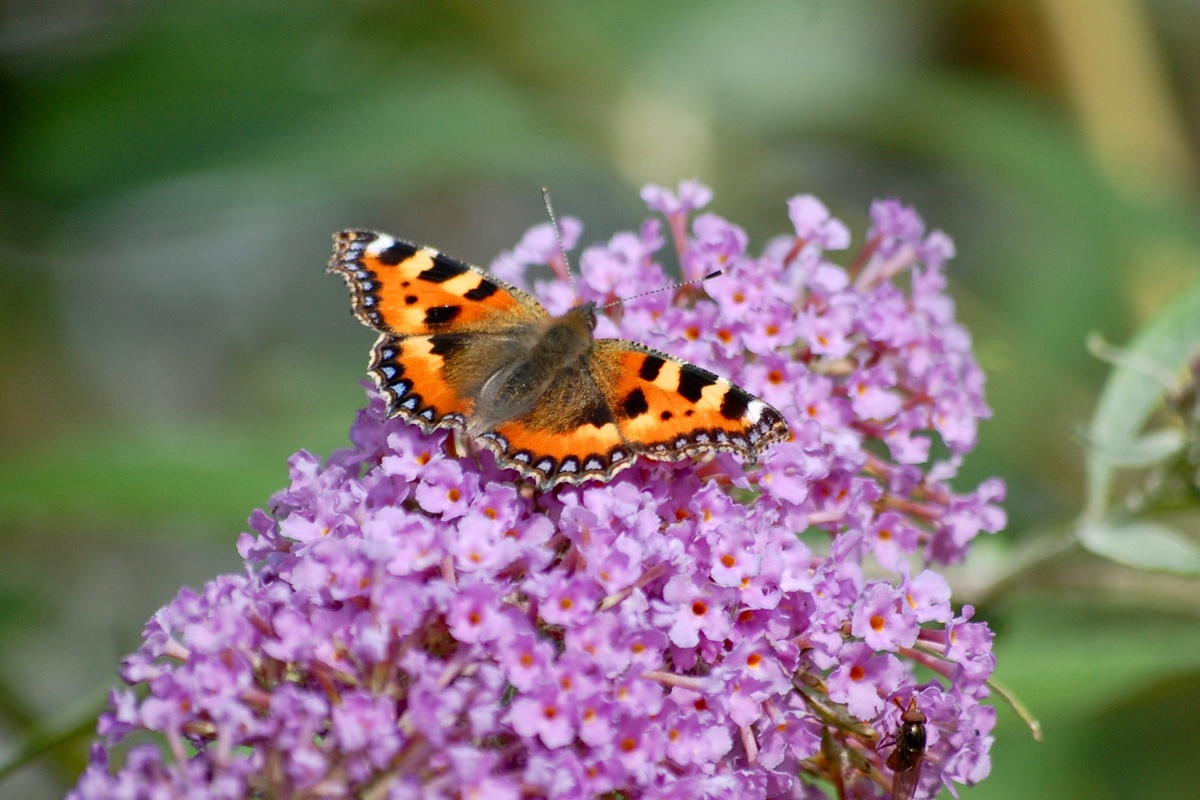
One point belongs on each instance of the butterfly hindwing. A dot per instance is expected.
(570, 435)
(574, 457)
(411, 372)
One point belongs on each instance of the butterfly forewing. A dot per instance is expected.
(671, 408)
(405, 289)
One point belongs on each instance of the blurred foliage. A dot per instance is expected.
(171, 172)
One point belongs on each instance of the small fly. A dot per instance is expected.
(905, 760)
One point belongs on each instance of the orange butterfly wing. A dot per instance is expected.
(407, 290)
(428, 307)
(671, 409)
(629, 400)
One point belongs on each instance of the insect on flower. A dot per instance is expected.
(905, 760)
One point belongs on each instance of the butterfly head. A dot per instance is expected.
(582, 316)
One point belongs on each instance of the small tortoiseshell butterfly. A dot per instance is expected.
(461, 349)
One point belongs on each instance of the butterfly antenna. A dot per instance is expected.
(713, 274)
(558, 235)
(567, 262)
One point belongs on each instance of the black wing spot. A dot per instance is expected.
(666, 415)
(634, 404)
(444, 268)
(410, 299)
(598, 415)
(442, 315)
(445, 345)
(483, 291)
(650, 368)
(734, 404)
(692, 381)
(397, 252)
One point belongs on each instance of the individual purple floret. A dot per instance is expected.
(416, 624)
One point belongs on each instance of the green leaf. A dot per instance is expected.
(1145, 451)
(1132, 394)
(1142, 545)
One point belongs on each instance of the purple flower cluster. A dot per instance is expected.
(414, 624)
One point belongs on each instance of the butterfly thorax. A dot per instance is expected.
(910, 745)
(561, 345)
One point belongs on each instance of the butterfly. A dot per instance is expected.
(905, 760)
(460, 349)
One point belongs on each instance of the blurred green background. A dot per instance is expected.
(170, 175)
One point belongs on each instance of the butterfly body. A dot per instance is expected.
(540, 356)
(461, 349)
